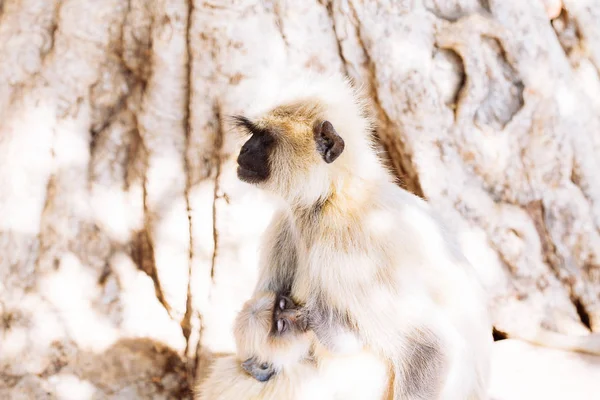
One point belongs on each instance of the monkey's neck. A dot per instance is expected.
(350, 198)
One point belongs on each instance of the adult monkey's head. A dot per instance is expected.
(288, 150)
(300, 148)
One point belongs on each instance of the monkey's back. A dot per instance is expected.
(227, 381)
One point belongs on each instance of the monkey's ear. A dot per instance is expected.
(329, 144)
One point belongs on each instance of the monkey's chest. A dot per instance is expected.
(337, 274)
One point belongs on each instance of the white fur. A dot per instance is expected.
(335, 378)
(226, 381)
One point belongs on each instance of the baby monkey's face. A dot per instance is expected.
(288, 318)
(287, 341)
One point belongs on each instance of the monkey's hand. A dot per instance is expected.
(262, 372)
(333, 333)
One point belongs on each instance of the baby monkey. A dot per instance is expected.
(272, 334)
(272, 339)
(279, 358)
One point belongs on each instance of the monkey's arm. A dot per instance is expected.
(278, 261)
(333, 329)
(278, 257)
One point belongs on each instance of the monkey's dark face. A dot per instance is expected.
(288, 151)
(253, 160)
(288, 318)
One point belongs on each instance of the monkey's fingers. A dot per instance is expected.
(262, 372)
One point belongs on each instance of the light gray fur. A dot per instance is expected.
(368, 260)
(278, 269)
(422, 371)
(279, 261)
(419, 375)
(329, 325)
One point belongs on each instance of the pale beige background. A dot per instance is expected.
(127, 243)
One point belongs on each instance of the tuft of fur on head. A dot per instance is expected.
(253, 335)
(290, 111)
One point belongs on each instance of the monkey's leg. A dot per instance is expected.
(421, 368)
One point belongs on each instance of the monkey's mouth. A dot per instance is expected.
(248, 175)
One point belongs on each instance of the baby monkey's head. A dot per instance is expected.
(271, 332)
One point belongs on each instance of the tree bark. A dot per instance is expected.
(127, 243)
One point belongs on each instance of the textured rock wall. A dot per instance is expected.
(127, 244)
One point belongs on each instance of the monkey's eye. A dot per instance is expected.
(281, 325)
(282, 304)
(264, 366)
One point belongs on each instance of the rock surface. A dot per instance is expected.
(521, 371)
(127, 244)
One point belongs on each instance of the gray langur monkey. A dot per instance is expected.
(278, 359)
(370, 261)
